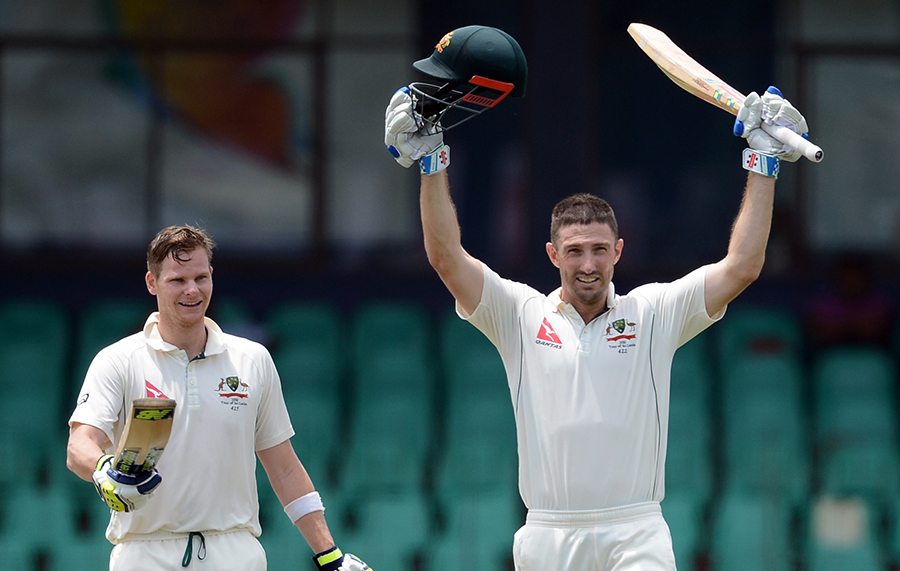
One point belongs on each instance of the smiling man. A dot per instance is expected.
(205, 514)
(588, 369)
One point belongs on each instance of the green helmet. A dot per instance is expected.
(477, 66)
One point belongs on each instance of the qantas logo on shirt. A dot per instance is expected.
(547, 336)
(153, 392)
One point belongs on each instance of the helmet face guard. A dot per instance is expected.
(471, 70)
(443, 107)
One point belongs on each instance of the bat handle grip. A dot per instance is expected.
(794, 141)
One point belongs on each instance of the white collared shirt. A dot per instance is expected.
(591, 400)
(229, 405)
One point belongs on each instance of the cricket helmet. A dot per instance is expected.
(475, 68)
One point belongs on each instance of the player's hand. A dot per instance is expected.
(334, 560)
(406, 135)
(124, 492)
(773, 109)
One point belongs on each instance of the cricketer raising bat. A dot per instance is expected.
(146, 433)
(699, 81)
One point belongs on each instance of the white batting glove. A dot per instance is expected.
(774, 110)
(406, 135)
(123, 492)
(334, 560)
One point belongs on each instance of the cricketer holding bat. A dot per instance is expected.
(588, 368)
(204, 514)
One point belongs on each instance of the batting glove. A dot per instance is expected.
(334, 560)
(774, 110)
(409, 138)
(123, 492)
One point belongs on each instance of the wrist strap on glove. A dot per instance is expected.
(105, 459)
(765, 164)
(329, 560)
(435, 161)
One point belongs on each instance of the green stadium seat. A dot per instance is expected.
(34, 353)
(16, 556)
(390, 530)
(38, 517)
(391, 351)
(477, 533)
(86, 552)
(756, 331)
(853, 373)
(308, 372)
(751, 531)
(776, 378)
(306, 323)
(103, 323)
(316, 421)
(692, 368)
(381, 467)
(842, 534)
(476, 466)
(684, 515)
(470, 362)
(766, 449)
(847, 422)
(486, 418)
(689, 468)
(870, 470)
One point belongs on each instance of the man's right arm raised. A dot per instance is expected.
(461, 273)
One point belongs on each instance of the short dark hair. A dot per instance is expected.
(177, 241)
(582, 208)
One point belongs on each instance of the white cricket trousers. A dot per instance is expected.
(629, 538)
(235, 550)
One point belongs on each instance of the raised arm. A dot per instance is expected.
(743, 263)
(411, 140)
(461, 273)
(747, 248)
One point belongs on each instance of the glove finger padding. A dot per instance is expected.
(406, 136)
(772, 109)
(124, 492)
(748, 117)
(414, 146)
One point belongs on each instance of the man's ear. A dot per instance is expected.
(620, 243)
(553, 254)
(151, 283)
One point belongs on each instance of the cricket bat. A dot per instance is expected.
(697, 80)
(146, 433)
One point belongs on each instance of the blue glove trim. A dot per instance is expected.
(393, 151)
(435, 161)
(775, 90)
(738, 128)
(762, 163)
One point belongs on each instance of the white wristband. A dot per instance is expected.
(304, 505)
(435, 161)
(765, 164)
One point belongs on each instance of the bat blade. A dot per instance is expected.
(685, 72)
(147, 430)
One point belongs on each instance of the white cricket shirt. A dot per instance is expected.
(591, 401)
(229, 404)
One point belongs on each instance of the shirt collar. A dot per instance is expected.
(215, 342)
(559, 305)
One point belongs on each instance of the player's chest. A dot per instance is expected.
(615, 337)
(217, 387)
